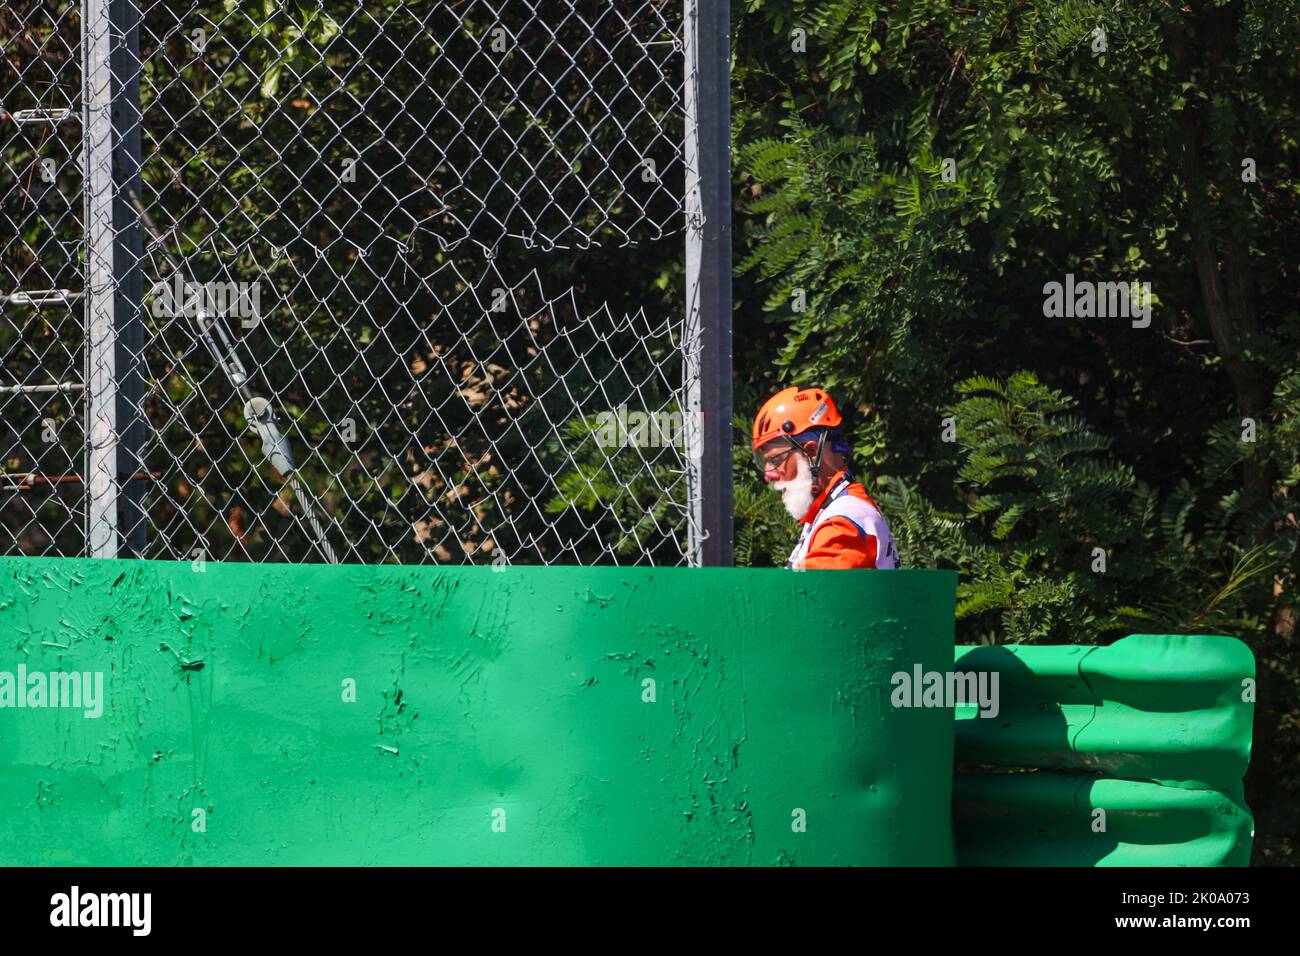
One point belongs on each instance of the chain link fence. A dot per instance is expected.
(311, 280)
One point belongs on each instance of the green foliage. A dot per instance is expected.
(293, 37)
(636, 493)
(1041, 492)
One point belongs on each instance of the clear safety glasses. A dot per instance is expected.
(773, 455)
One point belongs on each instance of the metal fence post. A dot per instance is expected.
(101, 349)
(128, 268)
(708, 279)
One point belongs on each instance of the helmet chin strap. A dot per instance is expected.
(817, 462)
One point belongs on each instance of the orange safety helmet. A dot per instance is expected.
(791, 412)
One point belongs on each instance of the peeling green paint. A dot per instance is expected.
(500, 716)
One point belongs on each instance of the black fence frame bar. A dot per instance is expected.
(714, 117)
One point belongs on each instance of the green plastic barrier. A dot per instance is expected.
(1160, 723)
(1052, 819)
(528, 716)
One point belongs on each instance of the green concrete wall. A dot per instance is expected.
(482, 697)
(1130, 754)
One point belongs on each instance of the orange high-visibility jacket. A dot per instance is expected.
(844, 529)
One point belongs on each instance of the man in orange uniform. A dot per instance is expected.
(801, 452)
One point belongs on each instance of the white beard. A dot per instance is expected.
(797, 493)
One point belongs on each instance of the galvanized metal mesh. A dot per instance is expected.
(394, 281)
